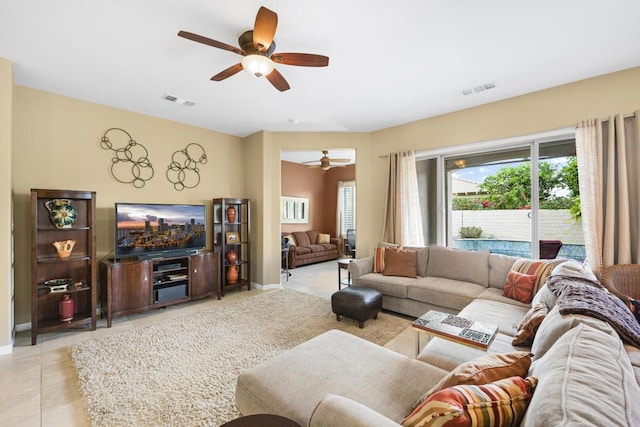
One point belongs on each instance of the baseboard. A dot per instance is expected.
(6, 349)
(23, 327)
(266, 287)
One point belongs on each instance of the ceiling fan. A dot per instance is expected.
(325, 162)
(257, 47)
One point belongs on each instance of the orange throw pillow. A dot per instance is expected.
(520, 286)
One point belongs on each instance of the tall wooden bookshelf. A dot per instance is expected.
(79, 268)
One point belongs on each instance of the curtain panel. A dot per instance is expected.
(608, 153)
(402, 215)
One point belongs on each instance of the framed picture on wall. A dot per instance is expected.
(294, 210)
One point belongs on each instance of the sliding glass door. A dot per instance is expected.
(520, 200)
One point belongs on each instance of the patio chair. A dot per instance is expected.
(549, 248)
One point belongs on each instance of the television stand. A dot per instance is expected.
(136, 286)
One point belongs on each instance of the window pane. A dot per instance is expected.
(489, 196)
(560, 226)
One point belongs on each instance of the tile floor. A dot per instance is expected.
(38, 383)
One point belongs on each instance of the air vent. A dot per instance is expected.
(179, 100)
(479, 88)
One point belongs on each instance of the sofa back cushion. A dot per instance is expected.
(586, 378)
(499, 267)
(313, 236)
(459, 264)
(302, 238)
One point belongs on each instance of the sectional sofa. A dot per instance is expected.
(583, 373)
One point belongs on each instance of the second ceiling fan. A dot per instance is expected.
(325, 162)
(257, 47)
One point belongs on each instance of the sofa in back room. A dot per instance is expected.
(308, 247)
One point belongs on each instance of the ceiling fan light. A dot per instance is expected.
(258, 65)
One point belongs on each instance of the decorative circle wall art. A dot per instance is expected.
(130, 163)
(183, 170)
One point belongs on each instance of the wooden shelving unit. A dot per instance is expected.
(80, 267)
(222, 226)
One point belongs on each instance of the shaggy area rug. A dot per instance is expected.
(183, 371)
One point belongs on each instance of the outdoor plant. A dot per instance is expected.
(470, 232)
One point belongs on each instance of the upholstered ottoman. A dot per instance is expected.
(357, 303)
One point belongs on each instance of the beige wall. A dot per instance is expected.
(555, 108)
(56, 145)
(6, 217)
(300, 181)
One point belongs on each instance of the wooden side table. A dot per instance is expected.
(343, 264)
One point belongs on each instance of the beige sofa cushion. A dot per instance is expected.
(499, 267)
(505, 316)
(444, 292)
(584, 379)
(556, 325)
(458, 264)
(387, 285)
(294, 382)
(496, 294)
(447, 354)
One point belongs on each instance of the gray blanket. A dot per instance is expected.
(583, 296)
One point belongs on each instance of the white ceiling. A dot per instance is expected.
(390, 62)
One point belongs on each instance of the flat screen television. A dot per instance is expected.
(146, 231)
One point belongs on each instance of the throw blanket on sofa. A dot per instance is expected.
(583, 296)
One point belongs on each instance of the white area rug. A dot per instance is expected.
(183, 371)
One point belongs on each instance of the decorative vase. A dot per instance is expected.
(231, 214)
(232, 256)
(64, 247)
(232, 274)
(66, 308)
(61, 213)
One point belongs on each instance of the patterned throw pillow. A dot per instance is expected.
(483, 370)
(541, 269)
(501, 403)
(378, 260)
(519, 286)
(529, 326)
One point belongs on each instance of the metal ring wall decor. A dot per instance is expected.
(183, 170)
(130, 164)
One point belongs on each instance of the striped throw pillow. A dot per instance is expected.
(540, 269)
(378, 260)
(500, 403)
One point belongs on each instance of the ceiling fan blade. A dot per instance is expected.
(210, 42)
(313, 166)
(264, 29)
(340, 160)
(300, 59)
(278, 81)
(227, 73)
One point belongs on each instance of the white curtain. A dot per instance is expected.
(608, 153)
(402, 216)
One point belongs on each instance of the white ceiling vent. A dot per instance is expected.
(180, 101)
(479, 88)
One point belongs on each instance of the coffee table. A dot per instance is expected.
(455, 328)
